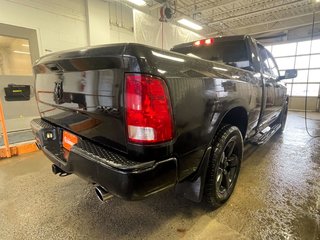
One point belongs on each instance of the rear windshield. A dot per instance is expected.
(233, 53)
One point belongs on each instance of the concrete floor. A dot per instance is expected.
(277, 197)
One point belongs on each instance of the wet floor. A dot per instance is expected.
(277, 197)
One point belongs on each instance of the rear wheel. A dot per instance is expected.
(224, 165)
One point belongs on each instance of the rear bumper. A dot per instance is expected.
(120, 176)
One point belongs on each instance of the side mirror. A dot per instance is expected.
(290, 73)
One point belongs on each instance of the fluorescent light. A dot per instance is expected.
(167, 57)
(189, 24)
(25, 45)
(138, 2)
(220, 69)
(21, 52)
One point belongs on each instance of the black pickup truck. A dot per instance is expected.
(135, 120)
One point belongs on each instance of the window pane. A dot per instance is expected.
(314, 75)
(289, 87)
(269, 48)
(288, 49)
(303, 47)
(287, 80)
(300, 90)
(264, 60)
(302, 62)
(15, 56)
(272, 65)
(315, 61)
(315, 46)
(302, 76)
(285, 63)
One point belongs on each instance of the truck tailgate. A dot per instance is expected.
(81, 91)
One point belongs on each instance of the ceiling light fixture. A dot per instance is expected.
(140, 3)
(25, 45)
(189, 24)
(21, 52)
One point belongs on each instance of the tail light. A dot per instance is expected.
(148, 109)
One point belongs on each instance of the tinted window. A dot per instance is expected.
(233, 53)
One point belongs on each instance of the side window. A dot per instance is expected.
(273, 66)
(254, 59)
(264, 60)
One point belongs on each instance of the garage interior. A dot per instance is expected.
(278, 191)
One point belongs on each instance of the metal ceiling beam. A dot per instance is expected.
(283, 28)
(274, 21)
(257, 11)
(160, 1)
(191, 5)
(256, 28)
(208, 9)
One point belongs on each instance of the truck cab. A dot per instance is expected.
(248, 54)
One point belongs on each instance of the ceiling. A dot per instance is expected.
(254, 17)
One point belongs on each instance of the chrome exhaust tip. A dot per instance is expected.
(56, 170)
(103, 194)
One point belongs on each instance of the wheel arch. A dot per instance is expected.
(236, 116)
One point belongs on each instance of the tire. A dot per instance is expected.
(224, 166)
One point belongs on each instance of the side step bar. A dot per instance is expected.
(263, 136)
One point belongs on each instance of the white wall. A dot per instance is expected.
(298, 103)
(71, 24)
(98, 22)
(149, 30)
(60, 24)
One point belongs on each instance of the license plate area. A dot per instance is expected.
(68, 140)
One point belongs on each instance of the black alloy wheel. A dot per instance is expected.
(227, 168)
(224, 165)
